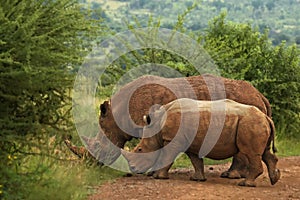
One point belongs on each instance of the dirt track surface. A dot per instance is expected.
(141, 187)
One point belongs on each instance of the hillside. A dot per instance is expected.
(280, 17)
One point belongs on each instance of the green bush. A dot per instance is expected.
(241, 52)
(41, 43)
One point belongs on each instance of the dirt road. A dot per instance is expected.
(140, 187)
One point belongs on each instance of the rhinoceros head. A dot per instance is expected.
(109, 126)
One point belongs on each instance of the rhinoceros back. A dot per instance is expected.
(185, 105)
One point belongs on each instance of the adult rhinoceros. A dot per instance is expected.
(121, 117)
(246, 132)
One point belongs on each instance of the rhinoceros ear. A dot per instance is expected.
(104, 108)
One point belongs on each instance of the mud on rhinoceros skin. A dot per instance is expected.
(247, 132)
(153, 91)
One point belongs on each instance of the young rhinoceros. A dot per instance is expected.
(214, 129)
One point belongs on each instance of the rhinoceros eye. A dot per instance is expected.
(140, 149)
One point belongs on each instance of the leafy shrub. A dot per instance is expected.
(41, 43)
(243, 53)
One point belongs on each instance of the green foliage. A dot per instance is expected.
(243, 53)
(69, 179)
(281, 17)
(125, 63)
(278, 38)
(297, 40)
(288, 146)
(41, 42)
(282, 87)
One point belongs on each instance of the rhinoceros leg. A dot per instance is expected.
(271, 160)
(162, 173)
(238, 169)
(168, 155)
(232, 167)
(198, 166)
(252, 140)
(255, 169)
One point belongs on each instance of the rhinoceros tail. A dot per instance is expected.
(272, 136)
(267, 104)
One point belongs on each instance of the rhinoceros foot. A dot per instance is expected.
(247, 183)
(128, 175)
(161, 175)
(224, 174)
(234, 174)
(150, 173)
(275, 177)
(194, 177)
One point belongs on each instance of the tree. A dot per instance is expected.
(241, 52)
(257, 4)
(278, 38)
(270, 5)
(244, 53)
(41, 42)
(218, 4)
(297, 40)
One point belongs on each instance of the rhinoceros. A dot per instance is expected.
(121, 117)
(182, 126)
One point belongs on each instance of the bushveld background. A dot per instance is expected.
(44, 42)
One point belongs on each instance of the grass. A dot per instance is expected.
(71, 180)
(288, 147)
(63, 176)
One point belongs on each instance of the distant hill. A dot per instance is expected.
(281, 17)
